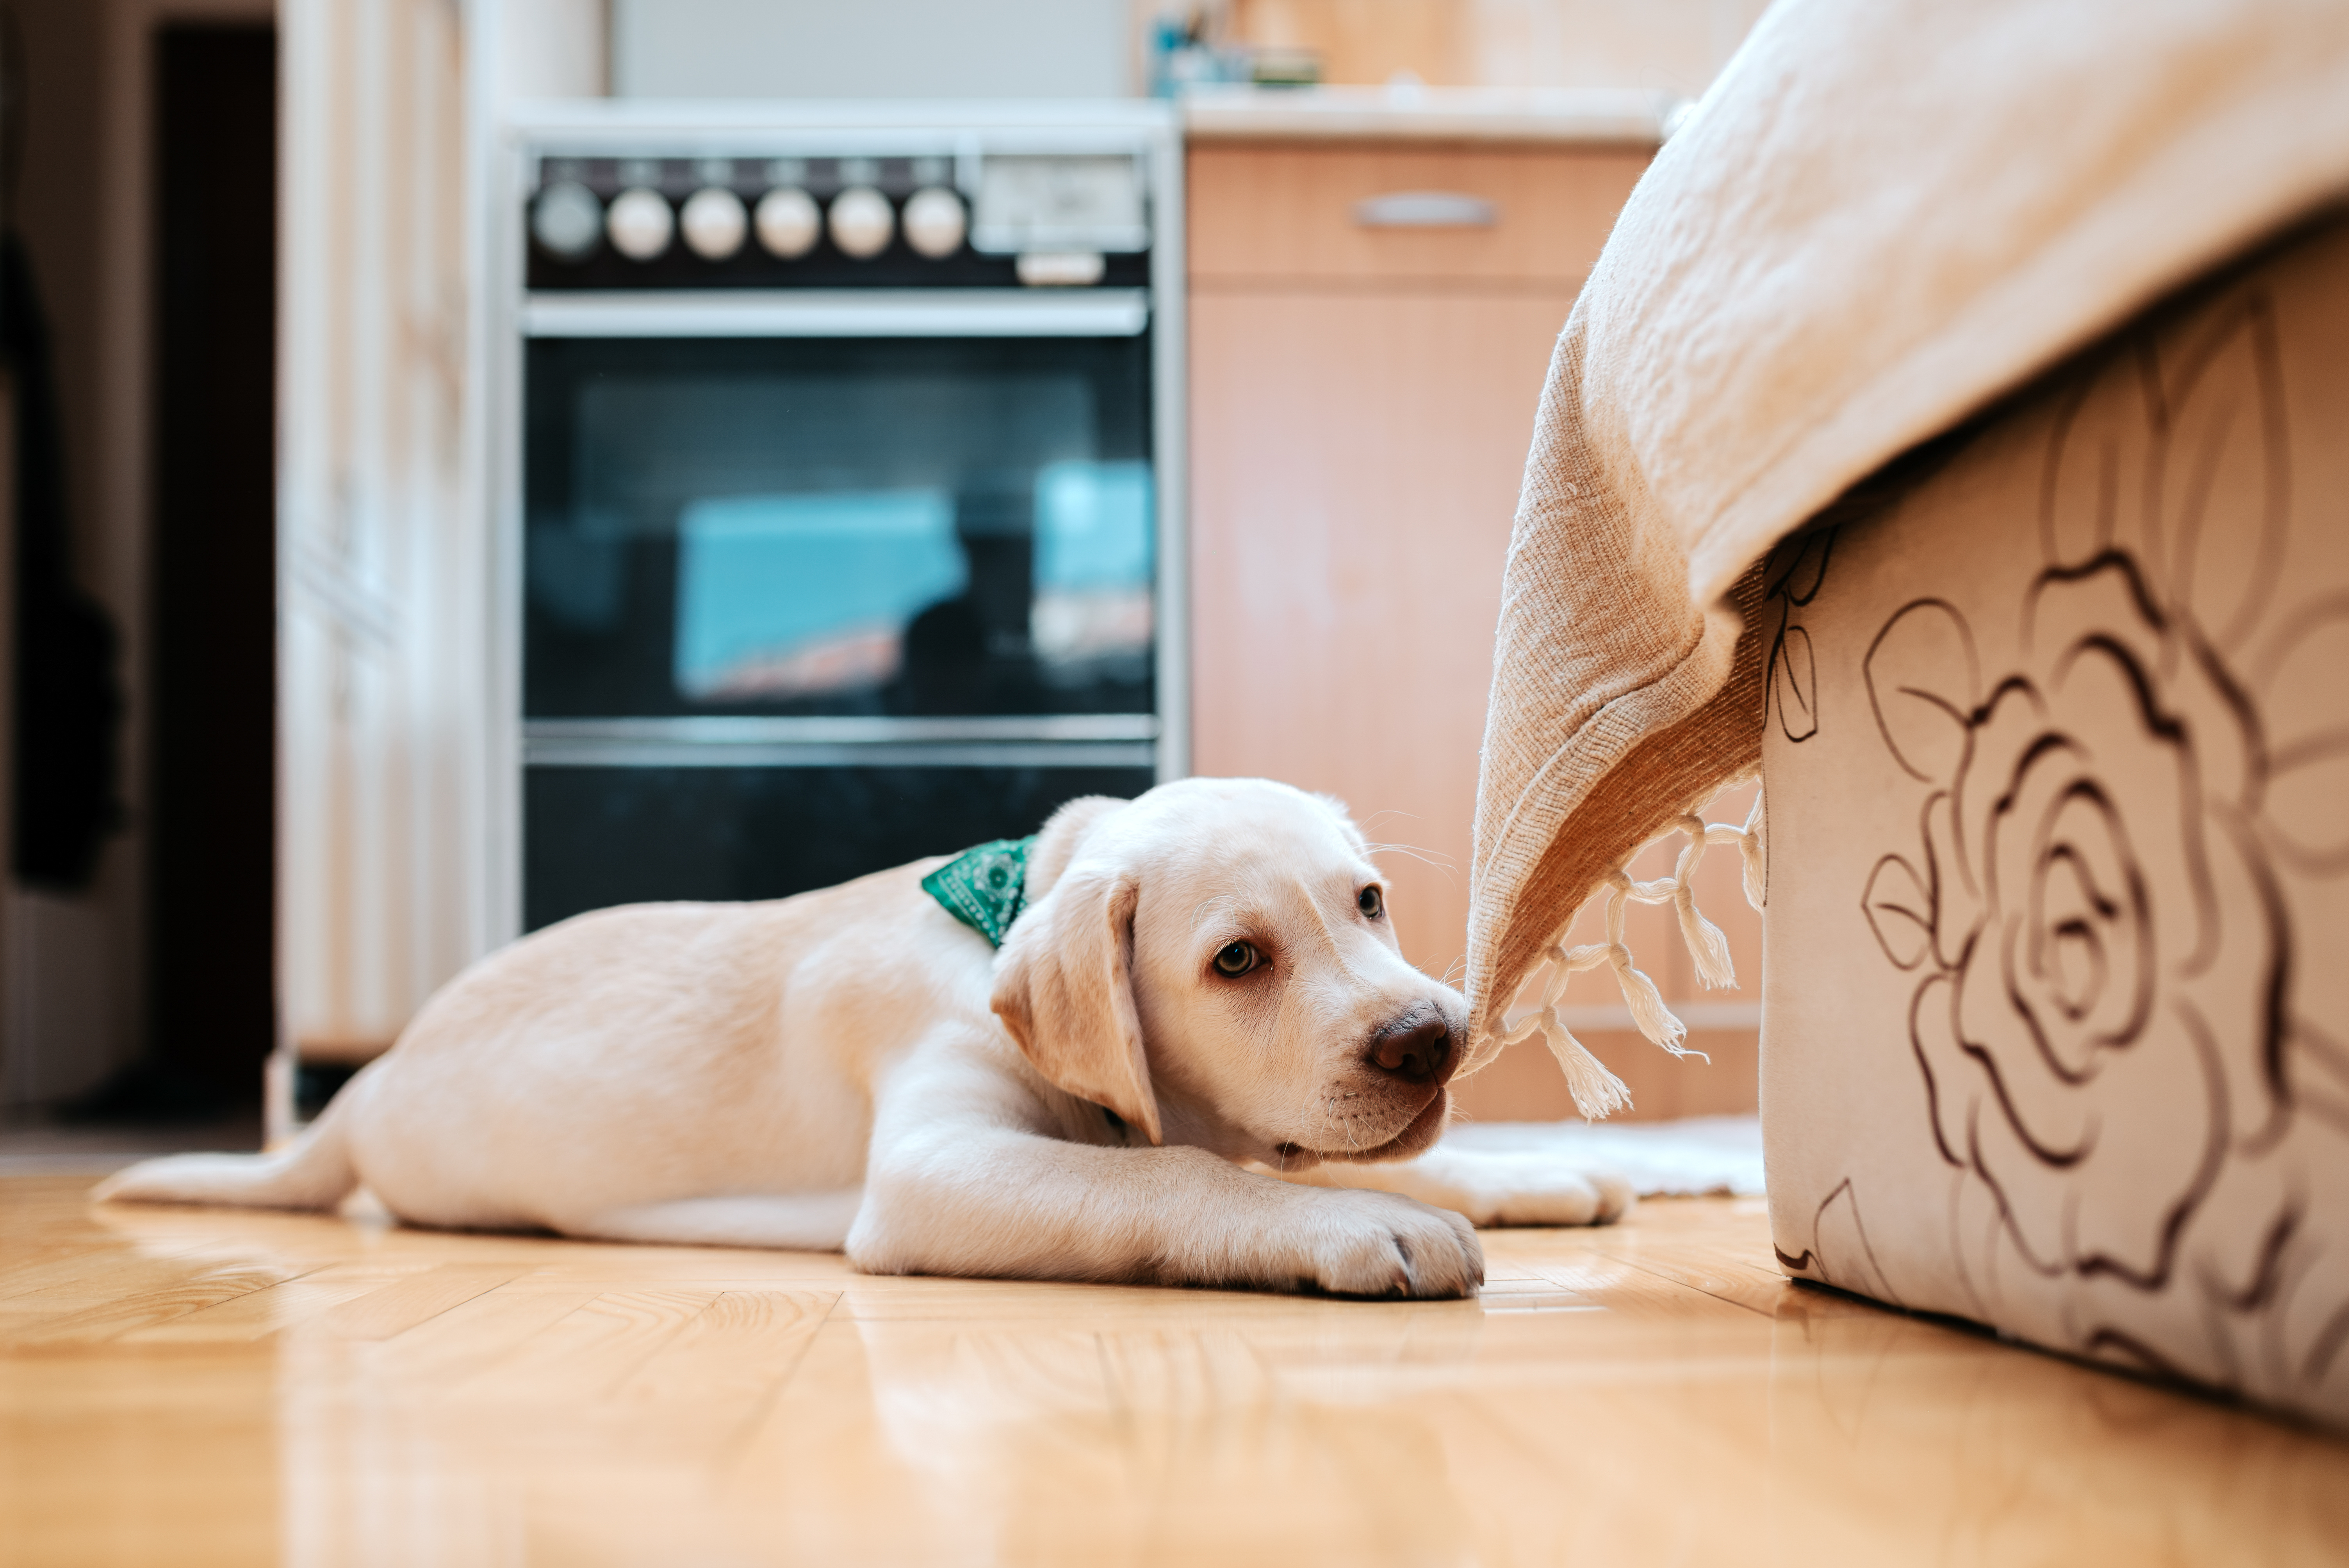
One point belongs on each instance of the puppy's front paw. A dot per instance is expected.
(1377, 1243)
(1554, 1196)
(1521, 1188)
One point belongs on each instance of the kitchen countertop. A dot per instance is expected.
(1612, 118)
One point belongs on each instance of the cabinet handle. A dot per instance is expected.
(1426, 210)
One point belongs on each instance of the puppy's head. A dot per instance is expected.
(1214, 963)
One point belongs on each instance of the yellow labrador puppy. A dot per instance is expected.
(1196, 983)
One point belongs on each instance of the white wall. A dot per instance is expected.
(1672, 46)
(549, 49)
(870, 48)
(381, 560)
(386, 791)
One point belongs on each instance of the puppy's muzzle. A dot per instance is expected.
(1415, 1049)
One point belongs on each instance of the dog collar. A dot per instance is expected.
(985, 888)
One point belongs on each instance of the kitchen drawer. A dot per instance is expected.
(1283, 214)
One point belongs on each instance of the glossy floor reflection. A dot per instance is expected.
(212, 1386)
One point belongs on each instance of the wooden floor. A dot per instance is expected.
(209, 1387)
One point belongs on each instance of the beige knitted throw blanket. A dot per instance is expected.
(1883, 216)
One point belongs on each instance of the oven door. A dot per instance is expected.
(815, 588)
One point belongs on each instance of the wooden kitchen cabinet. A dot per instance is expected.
(1361, 402)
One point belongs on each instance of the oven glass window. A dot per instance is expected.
(879, 527)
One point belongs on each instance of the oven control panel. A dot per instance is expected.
(992, 221)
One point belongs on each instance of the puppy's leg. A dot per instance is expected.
(964, 1181)
(1490, 1188)
(1017, 1204)
(805, 1221)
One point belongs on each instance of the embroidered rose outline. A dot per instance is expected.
(2105, 1012)
(2090, 1026)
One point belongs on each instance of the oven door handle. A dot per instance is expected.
(837, 313)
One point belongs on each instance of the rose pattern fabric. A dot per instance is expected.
(1791, 579)
(2114, 1022)
(2100, 950)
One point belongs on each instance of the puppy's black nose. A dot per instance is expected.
(1415, 1048)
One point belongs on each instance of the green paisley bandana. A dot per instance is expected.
(985, 888)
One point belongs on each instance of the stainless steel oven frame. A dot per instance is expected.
(967, 132)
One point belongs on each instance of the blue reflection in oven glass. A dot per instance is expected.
(1093, 558)
(792, 595)
(797, 596)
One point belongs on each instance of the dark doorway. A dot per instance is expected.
(212, 812)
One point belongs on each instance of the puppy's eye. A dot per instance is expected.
(1369, 901)
(1237, 959)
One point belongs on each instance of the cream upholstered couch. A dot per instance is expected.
(2057, 766)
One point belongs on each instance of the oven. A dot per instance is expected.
(841, 512)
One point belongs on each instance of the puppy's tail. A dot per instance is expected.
(315, 1173)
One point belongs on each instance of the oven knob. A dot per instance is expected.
(934, 222)
(640, 223)
(714, 223)
(789, 222)
(567, 221)
(862, 222)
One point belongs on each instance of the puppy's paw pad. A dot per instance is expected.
(1379, 1244)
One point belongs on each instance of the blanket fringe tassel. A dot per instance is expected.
(1598, 1092)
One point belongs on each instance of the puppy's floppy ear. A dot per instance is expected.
(1065, 988)
(1061, 837)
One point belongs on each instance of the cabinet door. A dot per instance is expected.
(1355, 464)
